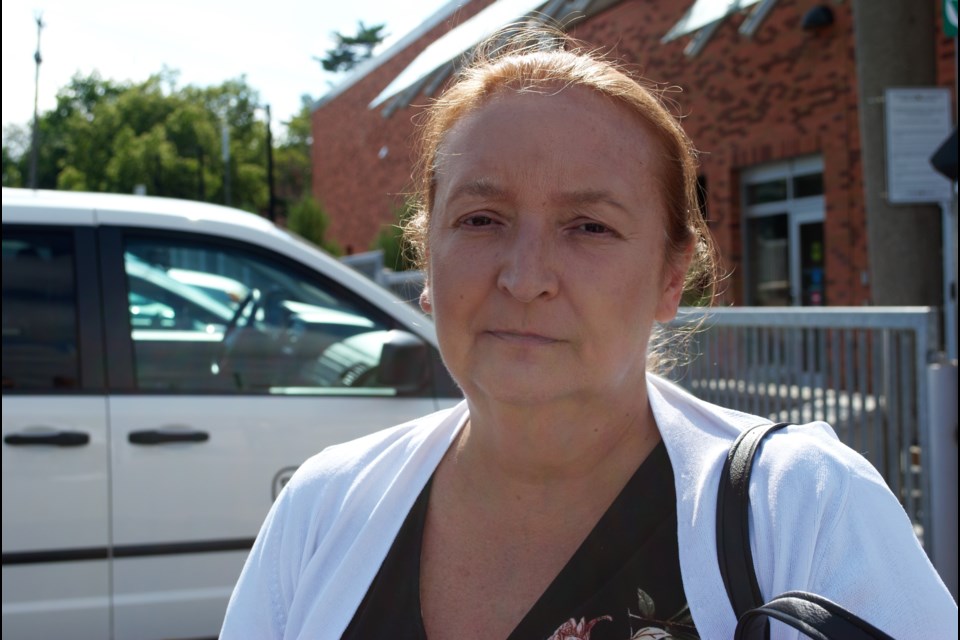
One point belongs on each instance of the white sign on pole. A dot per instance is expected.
(918, 120)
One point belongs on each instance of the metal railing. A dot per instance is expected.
(866, 371)
(405, 284)
(861, 369)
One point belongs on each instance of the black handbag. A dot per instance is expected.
(814, 615)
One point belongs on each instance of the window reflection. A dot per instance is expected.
(39, 312)
(216, 318)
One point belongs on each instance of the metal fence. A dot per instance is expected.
(405, 284)
(862, 369)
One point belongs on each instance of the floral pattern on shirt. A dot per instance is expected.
(679, 626)
(573, 630)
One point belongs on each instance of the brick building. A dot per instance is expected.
(770, 95)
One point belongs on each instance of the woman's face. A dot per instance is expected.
(546, 249)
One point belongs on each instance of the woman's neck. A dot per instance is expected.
(532, 453)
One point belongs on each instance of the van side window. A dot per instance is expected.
(207, 317)
(39, 312)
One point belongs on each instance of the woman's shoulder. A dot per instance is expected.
(712, 429)
(800, 463)
(849, 538)
(807, 463)
(390, 447)
(680, 414)
(332, 497)
(823, 519)
(333, 522)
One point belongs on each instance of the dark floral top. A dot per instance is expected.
(623, 583)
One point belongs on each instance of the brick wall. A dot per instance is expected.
(783, 93)
(359, 188)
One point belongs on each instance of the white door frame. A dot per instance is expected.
(799, 211)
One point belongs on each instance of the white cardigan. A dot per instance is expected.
(823, 520)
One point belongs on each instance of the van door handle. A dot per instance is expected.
(161, 436)
(48, 439)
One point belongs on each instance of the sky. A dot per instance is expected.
(272, 43)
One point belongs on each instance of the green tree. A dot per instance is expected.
(16, 143)
(308, 220)
(351, 50)
(76, 104)
(116, 137)
(291, 159)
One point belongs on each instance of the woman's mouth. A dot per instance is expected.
(522, 337)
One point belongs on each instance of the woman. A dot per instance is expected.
(572, 494)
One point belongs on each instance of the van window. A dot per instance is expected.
(39, 312)
(211, 317)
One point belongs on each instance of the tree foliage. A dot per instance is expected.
(118, 137)
(308, 220)
(291, 157)
(390, 241)
(167, 140)
(16, 143)
(351, 50)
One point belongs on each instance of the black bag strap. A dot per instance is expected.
(815, 616)
(818, 617)
(733, 521)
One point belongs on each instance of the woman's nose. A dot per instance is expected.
(528, 269)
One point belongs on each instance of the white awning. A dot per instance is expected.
(366, 67)
(455, 42)
(704, 12)
(436, 62)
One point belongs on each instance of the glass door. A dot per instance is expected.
(809, 288)
(768, 251)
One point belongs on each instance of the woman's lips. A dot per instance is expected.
(522, 337)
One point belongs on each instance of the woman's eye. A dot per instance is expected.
(594, 227)
(477, 220)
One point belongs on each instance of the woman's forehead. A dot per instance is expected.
(568, 134)
(566, 111)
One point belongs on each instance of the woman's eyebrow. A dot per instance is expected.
(479, 188)
(583, 197)
(489, 190)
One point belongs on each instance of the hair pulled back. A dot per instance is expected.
(541, 59)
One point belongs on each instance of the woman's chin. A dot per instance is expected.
(520, 388)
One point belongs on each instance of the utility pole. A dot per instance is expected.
(272, 206)
(35, 135)
(225, 151)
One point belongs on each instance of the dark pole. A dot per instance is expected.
(272, 206)
(201, 185)
(35, 137)
(225, 150)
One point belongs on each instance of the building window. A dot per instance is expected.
(783, 226)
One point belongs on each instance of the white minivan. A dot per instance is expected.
(166, 366)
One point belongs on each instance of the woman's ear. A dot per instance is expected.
(674, 279)
(425, 302)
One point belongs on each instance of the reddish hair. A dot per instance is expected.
(541, 59)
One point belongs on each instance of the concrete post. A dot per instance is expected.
(942, 461)
(895, 48)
